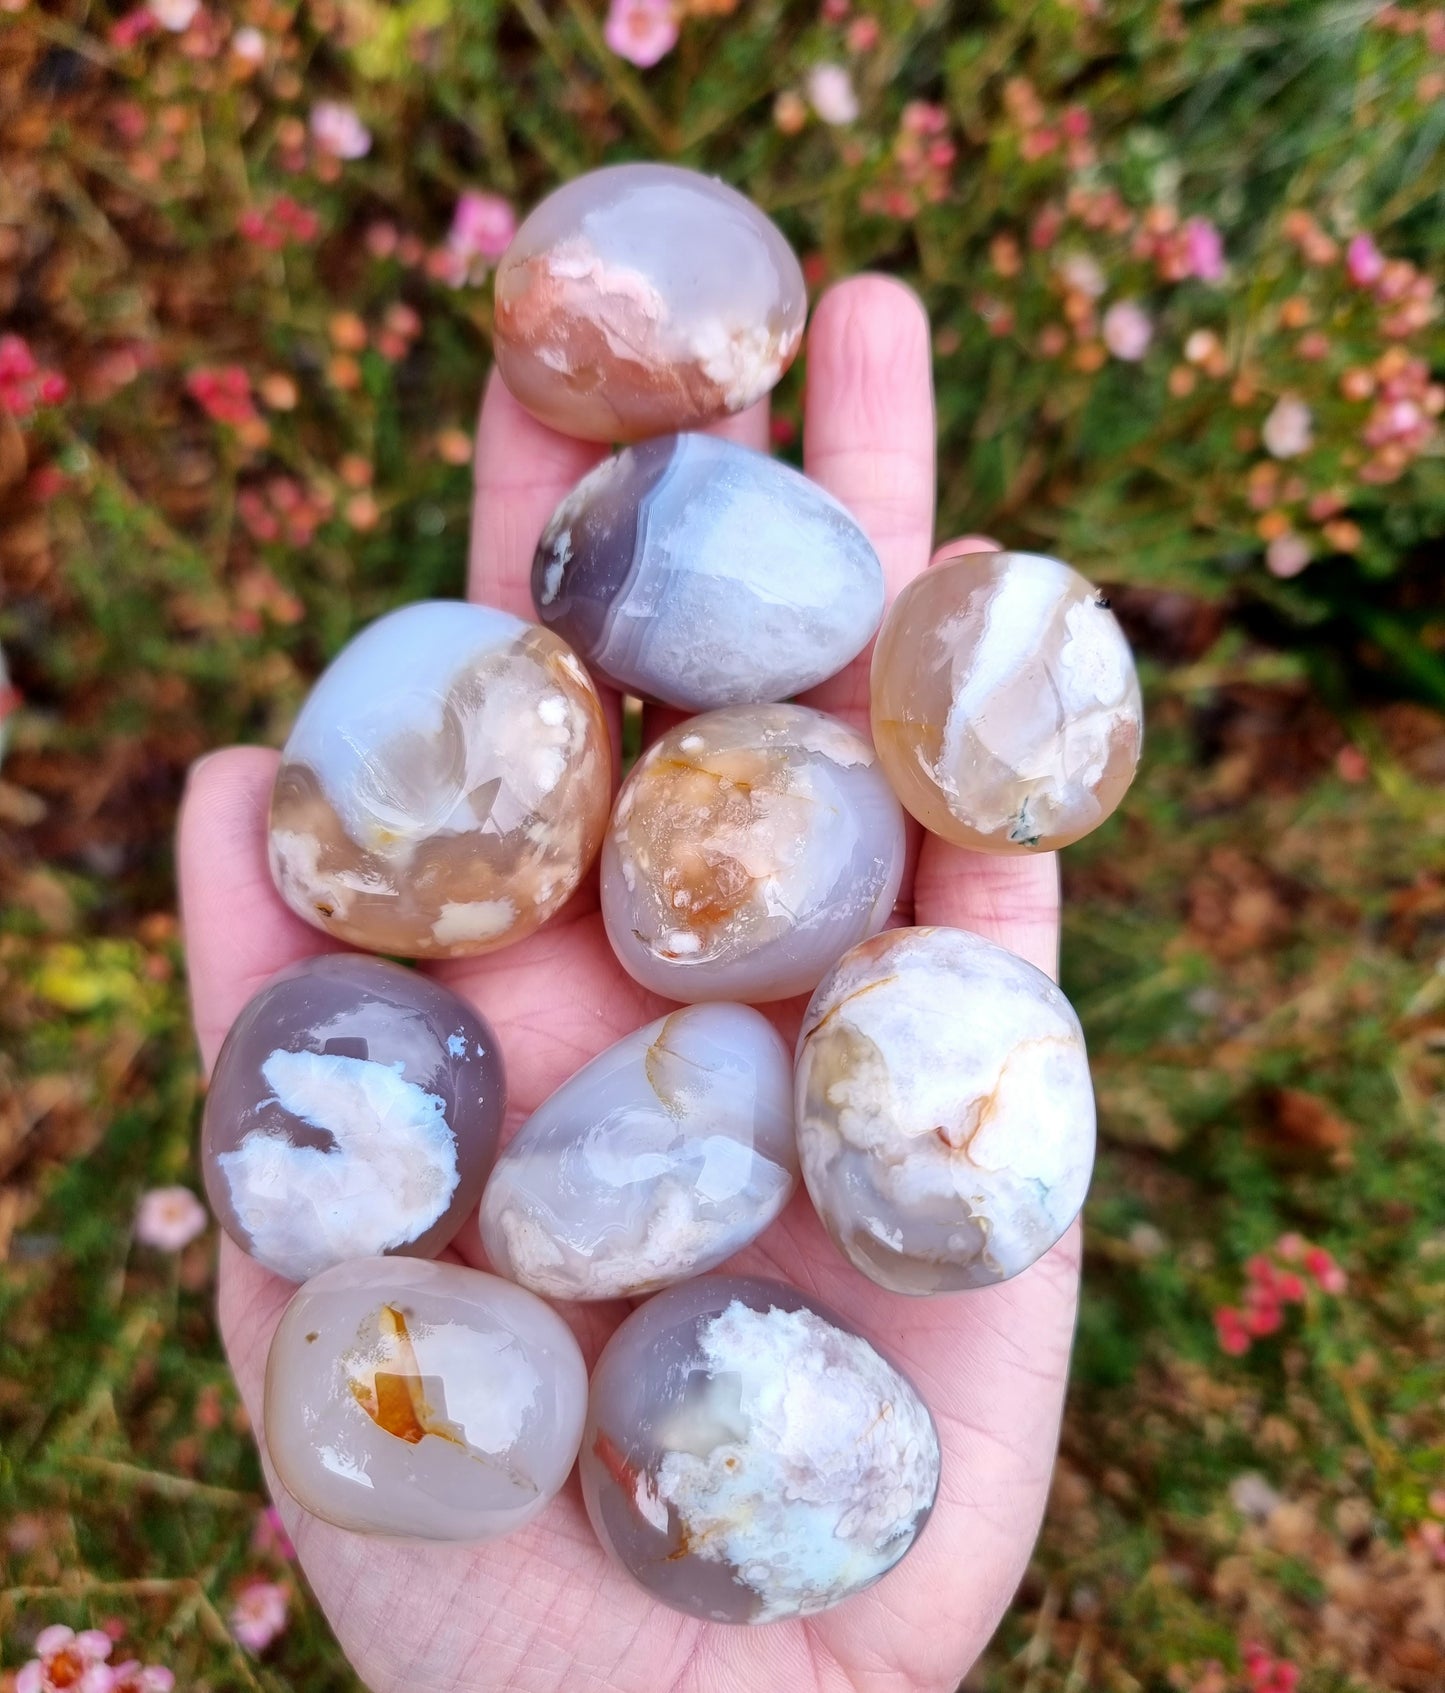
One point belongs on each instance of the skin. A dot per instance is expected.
(546, 1609)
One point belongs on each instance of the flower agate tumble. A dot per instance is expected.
(945, 1114)
(644, 298)
(1006, 710)
(748, 1457)
(354, 1110)
(693, 571)
(747, 850)
(422, 1400)
(446, 784)
(663, 1156)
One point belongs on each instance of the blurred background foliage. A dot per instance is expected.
(1181, 260)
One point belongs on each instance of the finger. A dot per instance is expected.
(868, 437)
(1011, 901)
(522, 469)
(239, 931)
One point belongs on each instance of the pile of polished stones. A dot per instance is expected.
(745, 1454)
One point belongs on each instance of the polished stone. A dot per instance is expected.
(693, 571)
(422, 1401)
(644, 298)
(354, 1110)
(446, 784)
(666, 1154)
(748, 1457)
(748, 848)
(945, 1113)
(1006, 709)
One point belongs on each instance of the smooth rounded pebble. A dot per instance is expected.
(645, 298)
(354, 1110)
(666, 1154)
(945, 1112)
(1006, 709)
(445, 787)
(696, 572)
(749, 1457)
(747, 849)
(422, 1401)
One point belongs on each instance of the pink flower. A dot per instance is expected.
(641, 31)
(1287, 555)
(1203, 250)
(249, 45)
(338, 130)
(482, 227)
(269, 1538)
(133, 27)
(1289, 429)
(830, 93)
(67, 1662)
(1232, 1334)
(1127, 330)
(259, 1614)
(135, 1677)
(1364, 262)
(170, 1218)
(1320, 1263)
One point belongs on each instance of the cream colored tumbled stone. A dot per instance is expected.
(1006, 709)
(642, 299)
(445, 786)
(945, 1112)
(422, 1401)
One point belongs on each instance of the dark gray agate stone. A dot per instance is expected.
(698, 573)
(748, 1457)
(354, 1110)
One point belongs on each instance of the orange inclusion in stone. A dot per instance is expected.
(394, 1398)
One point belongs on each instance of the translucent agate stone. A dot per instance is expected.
(354, 1110)
(644, 298)
(945, 1114)
(446, 784)
(749, 1457)
(696, 572)
(1006, 709)
(748, 848)
(422, 1401)
(663, 1156)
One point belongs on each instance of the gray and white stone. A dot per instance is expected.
(698, 573)
(945, 1112)
(422, 1401)
(666, 1154)
(354, 1110)
(748, 848)
(749, 1457)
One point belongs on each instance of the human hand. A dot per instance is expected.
(547, 1609)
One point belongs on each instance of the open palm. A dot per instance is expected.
(547, 1609)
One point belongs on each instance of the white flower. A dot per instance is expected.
(830, 90)
(250, 45)
(1127, 330)
(1289, 428)
(339, 131)
(177, 15)
(1084, 274)
(1287, 555)
(169, 1218)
